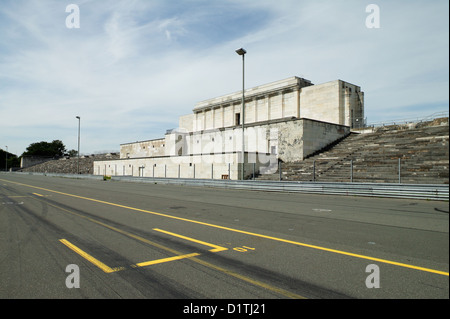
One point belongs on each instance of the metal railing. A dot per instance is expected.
(408, 120)
(395, 170)
(411, 191)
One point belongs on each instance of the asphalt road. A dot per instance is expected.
(133, 240)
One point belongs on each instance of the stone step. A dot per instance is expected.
(423, 152)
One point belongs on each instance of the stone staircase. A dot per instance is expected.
(422, 148)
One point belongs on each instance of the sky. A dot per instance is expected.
(132, 67)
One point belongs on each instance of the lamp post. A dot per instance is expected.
(242, 53)
(78, 161)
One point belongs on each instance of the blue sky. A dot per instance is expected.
(134, 66)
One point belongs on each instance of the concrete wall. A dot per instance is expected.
(317, 135)
(27, 161)
(336, 102)
(265, 143)
(186, 122)
(143, 149)
(320, 102)
(213, 166)
(297, 139)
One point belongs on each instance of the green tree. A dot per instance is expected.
(72, 153)
(55, 148)
(13, 160)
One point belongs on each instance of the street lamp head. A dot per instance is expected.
(78, 117)
(241, 51)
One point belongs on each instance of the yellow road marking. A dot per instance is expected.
(109, 270)
(164, 260)
(199, 261)
(216, 248)
(244, 232)
(88, 257)
(147, 263)
(38, 194)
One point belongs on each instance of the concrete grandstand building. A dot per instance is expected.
(286, 121)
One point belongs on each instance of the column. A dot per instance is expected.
(297, 102)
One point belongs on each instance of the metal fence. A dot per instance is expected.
(401, 121)
(365, 170)
(411, 191)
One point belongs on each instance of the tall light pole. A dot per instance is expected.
(242, 53)
(6, 167)
(78, 161)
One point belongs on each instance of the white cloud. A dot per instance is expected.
(135, 66)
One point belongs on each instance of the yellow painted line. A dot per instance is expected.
(199, 261)
(245, 232)
(216, 248)
(38, 194)
(143, 264)
(164, 260)
(88, 257)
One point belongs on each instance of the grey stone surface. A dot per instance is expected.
(423, 150)
(70, 165)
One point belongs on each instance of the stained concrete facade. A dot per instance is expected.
(337, 102)
(267, 102)
(285, 121)
(334, 102)
(151, 148)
